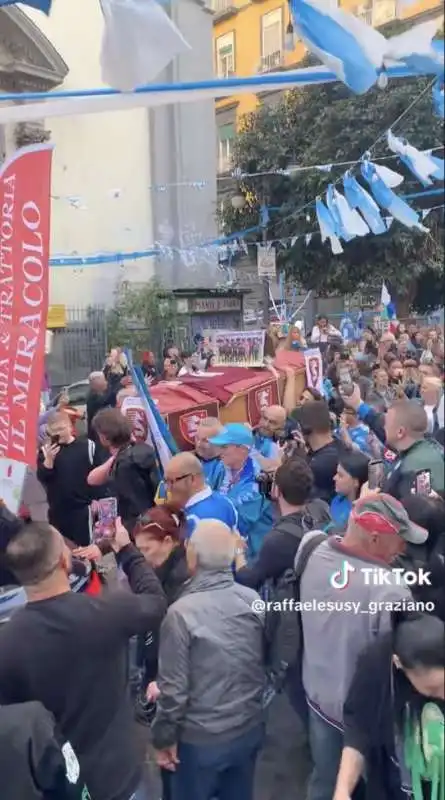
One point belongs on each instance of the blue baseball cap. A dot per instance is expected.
(233, 433)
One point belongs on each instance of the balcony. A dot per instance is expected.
(225, 164)
(378, 13)
(271, 61)
(223, 9)
(366, 15)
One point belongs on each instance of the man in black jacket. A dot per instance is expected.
(284, 761)
(35, 764)
(403, 430)
(299, 514)
(323, 450)
(131, 469)
(62, 468)
(69, 651)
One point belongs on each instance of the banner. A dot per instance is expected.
(314, 369)
(25, 209)
(259, 398)
(184, 425)
(237, 348)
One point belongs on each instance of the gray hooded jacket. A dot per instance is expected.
(211, 663)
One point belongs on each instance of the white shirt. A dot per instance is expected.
(319, 336)
(440, 414)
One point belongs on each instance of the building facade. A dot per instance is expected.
(108, 167)
(250, 38)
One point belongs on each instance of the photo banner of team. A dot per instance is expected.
(237, 348)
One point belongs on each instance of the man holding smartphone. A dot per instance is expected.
(63, 466)
(403, 430)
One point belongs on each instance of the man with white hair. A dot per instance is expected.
(101, 395)
(209, 723)
(431, 392)
(208, 454)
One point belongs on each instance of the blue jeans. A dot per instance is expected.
(326, 743)
(224, 771)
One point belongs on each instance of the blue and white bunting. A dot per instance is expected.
(385, 197)
(421, 164)
(360, 199)
(327, 226)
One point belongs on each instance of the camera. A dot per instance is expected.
(265, 483)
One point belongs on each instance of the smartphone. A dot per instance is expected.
(106, 518)
(376, 473)
(55, 440)
(344, 374)
(423, 483)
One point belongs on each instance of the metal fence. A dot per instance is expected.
(79, 348)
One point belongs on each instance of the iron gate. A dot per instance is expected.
(79, 348)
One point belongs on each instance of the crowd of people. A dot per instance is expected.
(267, 619)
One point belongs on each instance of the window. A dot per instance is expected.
(225, 55)
(226, 135)
(272, 33)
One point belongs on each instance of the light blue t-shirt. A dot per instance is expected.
(265, 447)
(209, 505)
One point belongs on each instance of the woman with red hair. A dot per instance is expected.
(159, 536)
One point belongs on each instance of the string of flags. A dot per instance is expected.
(239, 247)
(358, 212)
(199, 254)
(80, 203)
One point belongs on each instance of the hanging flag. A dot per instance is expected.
(25, 207)
(386, 198)
(416, 49)
(328, 227)
(40, 5)
(347, 329)
(344, 43)
(157, 432)
(388, 309)
(420, 164)
(139, 41)
(360, 199)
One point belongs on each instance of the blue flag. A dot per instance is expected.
(40, 5)
(164, 445)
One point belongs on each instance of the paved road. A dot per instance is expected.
(283, 766)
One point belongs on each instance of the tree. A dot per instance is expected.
(324, 125)
(142, 317)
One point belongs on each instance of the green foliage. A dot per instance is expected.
(142, 316)
(323, 125)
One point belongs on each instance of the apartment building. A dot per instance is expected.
(252, 36)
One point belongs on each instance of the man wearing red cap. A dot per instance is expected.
(347, 576)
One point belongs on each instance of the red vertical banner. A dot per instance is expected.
(25, 211)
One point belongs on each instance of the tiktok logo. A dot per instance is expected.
(340, 579)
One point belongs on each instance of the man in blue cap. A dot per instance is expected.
(239, 484)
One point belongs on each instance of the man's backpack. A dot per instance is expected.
(283, 627)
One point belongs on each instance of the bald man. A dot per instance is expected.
(403, 429)
(207, 453)
(271, 426)
(209, 719)
(187, 490)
